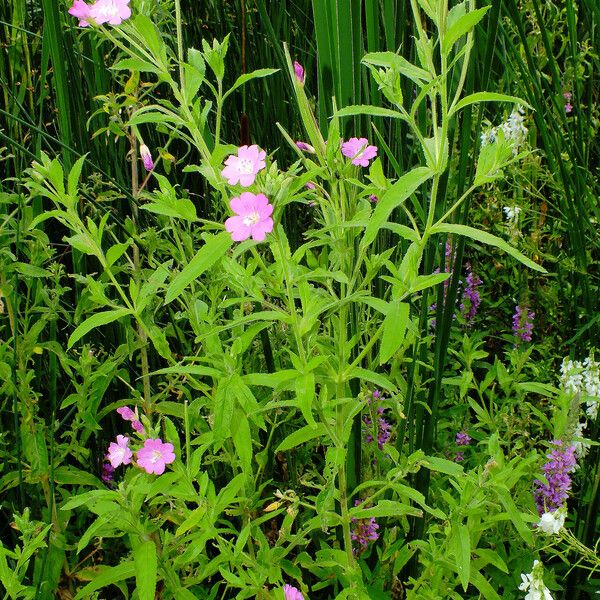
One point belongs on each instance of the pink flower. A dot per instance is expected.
(119, 453)
(252, 217)
(126, 413)
(292, 593)
(305, 147)
(309, 185)
(155, 455)
(81, 11)
(359, 151)
(110, 11)
(146, 157)
(244, 167)
(299, 72)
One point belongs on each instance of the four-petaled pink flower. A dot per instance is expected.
(146, 157)
(299, 72)
(252, 217)
(244, 167)
(359, 151)
(119, 452)
(292, 593)
(155, 455)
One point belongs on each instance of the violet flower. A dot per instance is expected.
(107, 472)
(463, 438)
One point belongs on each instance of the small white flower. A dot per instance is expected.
(552, 522)
(512, 213)
(533, 584)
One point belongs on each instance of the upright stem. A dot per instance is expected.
(136, 265)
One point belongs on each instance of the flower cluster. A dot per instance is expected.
(471, 298)
(252, 212)
(533, 583)
(383, 429)
(582, 377)
(551, 523)
(364, 531)
(562, 461)
(513, 129)
(512, 213)
(113, 12)
(462, 439)
(568, 106)
(152, 457)
(523, 323)
(292, 593)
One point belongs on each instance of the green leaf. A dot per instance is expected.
(385, 508)
(394, 61)
(115, 252)
(207, 256)
(442, 465)
(393, 198)
(135, 64)
(145, 561)
(305, 393)
(377, 378)
(514, 514)
(364, 109)
(302, 435)
(462, 26)
(73, 179)
(97, 320)
(242, 79)
(485, 97)
(482, 584)
(107, 576)
(394, 328)
(489, 239)
(272, 380)
(460, 543)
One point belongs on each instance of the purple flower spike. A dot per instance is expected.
(552, 496)
(471, 298)
(523, 323)
(364, 531)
